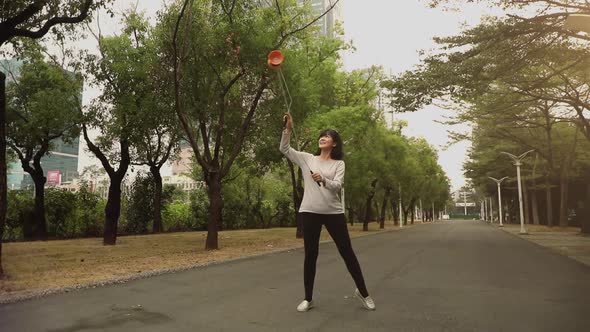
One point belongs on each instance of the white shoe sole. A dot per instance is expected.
(360, 297)
(305, 310)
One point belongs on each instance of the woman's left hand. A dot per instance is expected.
(317, 177)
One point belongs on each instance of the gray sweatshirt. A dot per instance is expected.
(327, 198)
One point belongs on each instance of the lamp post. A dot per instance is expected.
(465, 203)
(481, 214)
(499, 182)
(517, 163)
(421, 212)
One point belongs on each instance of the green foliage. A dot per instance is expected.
(171, 194)
(521, 82)
(199, 205)
(140, 207)
(177, 217)
(40, 106)
(59, 208)
(89, 212)
(19, 215)
(69, 215)
(257, 201)
(22, 19)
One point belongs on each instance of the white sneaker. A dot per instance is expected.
(367, 302)
(305, 306)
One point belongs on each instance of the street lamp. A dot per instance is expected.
(481, 214)
(517, 163)
(421, 212)
(499, 182)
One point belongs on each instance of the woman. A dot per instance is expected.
(321, 205)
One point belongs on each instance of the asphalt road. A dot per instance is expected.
(447, 276)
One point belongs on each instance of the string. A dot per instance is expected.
(288, 102)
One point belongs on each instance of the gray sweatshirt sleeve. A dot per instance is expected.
(295, 156)
(338, 181)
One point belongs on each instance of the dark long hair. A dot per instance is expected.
(338, 151)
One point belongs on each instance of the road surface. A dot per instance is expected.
(446, 276)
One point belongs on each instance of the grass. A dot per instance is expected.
(33, 267)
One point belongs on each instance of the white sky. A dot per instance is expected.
(388, 33)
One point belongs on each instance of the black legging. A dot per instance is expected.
(336, 226)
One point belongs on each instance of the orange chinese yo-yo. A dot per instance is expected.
(275, 59)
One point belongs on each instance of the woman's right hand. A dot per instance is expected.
(288, 121)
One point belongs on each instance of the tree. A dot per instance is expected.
(519, 77)
(217, 98)
(533, 19)
(156, 137)
(24, 19)
(40, 111)
(140, 209)
(119, 110)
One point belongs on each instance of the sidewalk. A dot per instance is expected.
(568, 241)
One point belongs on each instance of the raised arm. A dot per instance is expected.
(295, 156)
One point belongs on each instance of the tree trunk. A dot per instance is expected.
(410, 210)
(407, 210)
(563, 197)
(112, 211)
(384, 207)
(351, 216)
(585, 215)
(157, 228)
(525, 198)
(549, 202)
(3, 171)
(534, 202)
(39, 212)
(368, 210)
(394, 212)
(367, 213)
(405, 216)
(296, 199)
(215, 210)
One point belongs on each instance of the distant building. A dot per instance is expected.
(61, 160)
(100, 184)
(184, 164)
(182, 182)
(329, 21)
